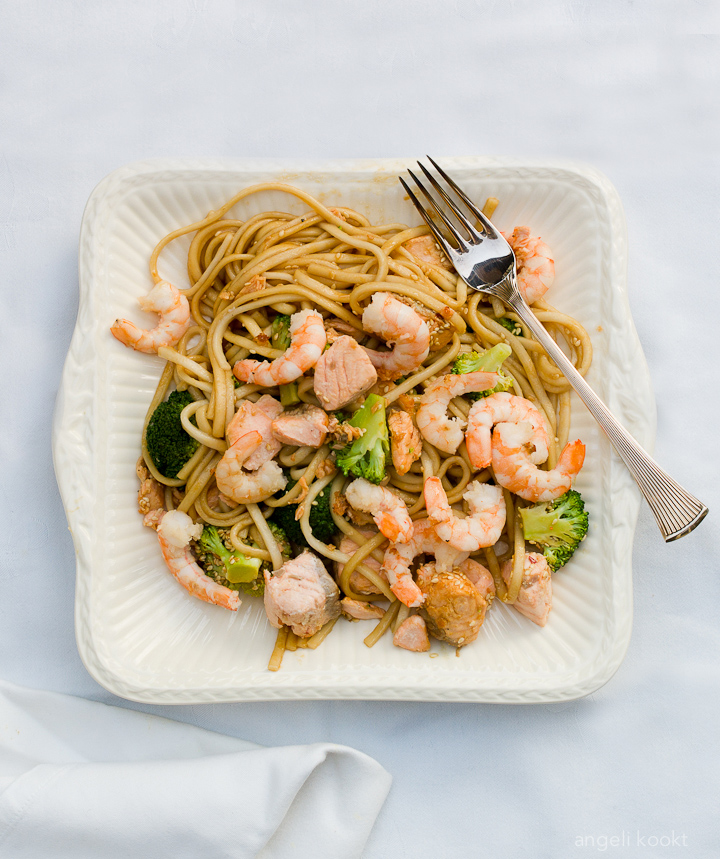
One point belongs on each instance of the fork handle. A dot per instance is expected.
(676, 511)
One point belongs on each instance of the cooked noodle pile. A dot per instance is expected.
(244, 273)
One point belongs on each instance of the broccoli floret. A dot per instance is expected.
(488, 361)
(236, 567)
(512, 326)
(169, 446)
(558, 526)
(256, 588)
(281, 539)
(322, 523)
(280, 332)
(284, 517)
(214, 567)
(366, 456)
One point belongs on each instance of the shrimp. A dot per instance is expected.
(257, 416)
(396, 323)
(480, 529)
(535, 266)
(514, 469)
(503, 408)
(174, 311)
(399, 557)
(388, 510)
(243, 486)
(308, 339)
(175, 532)
(432, 420)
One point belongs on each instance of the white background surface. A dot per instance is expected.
(629, 87)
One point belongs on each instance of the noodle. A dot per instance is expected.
(385, 623)
(277, 655)
(242, 275)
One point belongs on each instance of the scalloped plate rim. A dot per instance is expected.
(69, 430)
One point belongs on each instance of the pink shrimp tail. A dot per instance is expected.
(216, 596)
(479, 448)
(572, 458)
(186, 572)
(407, 591)
(435, 499)
(243, 370)
(246, 444)
(392, 529)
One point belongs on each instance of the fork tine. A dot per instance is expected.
(439, 237)
(451, 227)
(451, 204)
(490, 229)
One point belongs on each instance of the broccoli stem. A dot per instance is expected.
(289, 394)
(489, 361)
(280, 339)
(280, 332)
(238, 567)
(241, 568)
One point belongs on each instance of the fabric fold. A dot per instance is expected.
(183, 792)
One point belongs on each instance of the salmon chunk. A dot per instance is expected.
(304, 426)
(343, 373)
(481, 577)
(412, 635)
(425, 249)
(405, 442)
(151, 496)
(534, 599)
(360, 610)
(301, 595)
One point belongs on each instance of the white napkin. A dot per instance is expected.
(82, 779)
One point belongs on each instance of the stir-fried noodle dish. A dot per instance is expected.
(343, 428)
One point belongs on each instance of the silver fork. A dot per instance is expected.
(486, 262)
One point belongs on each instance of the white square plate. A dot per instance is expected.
(142, 637)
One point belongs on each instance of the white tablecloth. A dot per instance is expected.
(629, 87)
